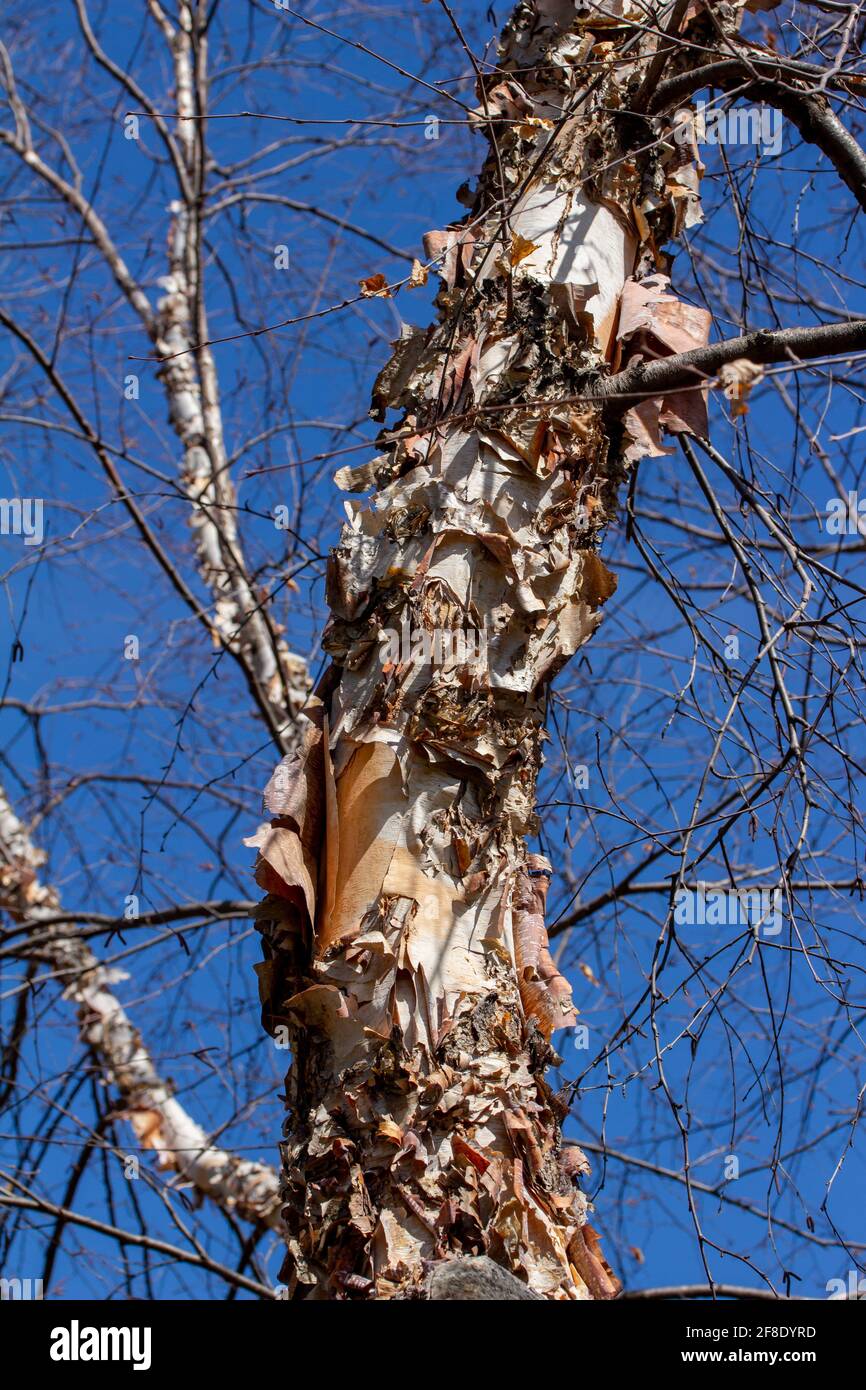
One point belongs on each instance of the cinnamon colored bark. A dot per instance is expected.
(405, 946)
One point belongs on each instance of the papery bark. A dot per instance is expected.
(405, 947)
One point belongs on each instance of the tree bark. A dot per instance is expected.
(238, 618)
(405, 946)
(158, 1121)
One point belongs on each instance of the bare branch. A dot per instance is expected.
(158, 1120)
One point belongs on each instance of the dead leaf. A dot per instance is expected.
(598, 583)
(532, 125)
(375, 285)
(521, 248)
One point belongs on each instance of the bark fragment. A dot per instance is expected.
(544, 992)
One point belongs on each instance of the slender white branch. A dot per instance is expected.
(241, 620)
(158, 1120)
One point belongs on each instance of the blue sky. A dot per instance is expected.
(153, 789)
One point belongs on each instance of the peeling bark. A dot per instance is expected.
(404, 938)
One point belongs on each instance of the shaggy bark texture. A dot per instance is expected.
(405, 947)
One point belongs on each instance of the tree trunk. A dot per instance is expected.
(406, 952)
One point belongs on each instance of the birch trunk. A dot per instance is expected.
(238, 617)
(405, 945)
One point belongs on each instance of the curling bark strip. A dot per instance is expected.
(406, 954)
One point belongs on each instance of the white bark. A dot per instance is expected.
(239, 618)
(159, 1122)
